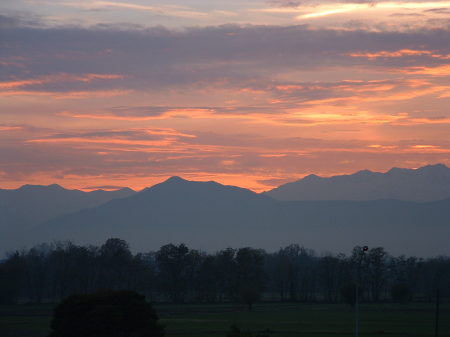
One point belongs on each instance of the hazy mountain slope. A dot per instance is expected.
(32, 204)
(428, 183)
(174, 202)
(212, 216)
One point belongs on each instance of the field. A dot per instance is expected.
(309, 320)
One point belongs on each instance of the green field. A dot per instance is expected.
(315, 320)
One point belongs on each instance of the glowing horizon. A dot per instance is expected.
(249, 93)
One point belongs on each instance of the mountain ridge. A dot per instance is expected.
(210, 215)
(30, 205)
(427, 183)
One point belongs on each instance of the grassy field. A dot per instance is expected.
(285, 320)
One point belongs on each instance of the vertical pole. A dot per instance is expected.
(357, 303)
(358, 272)
(436, 326)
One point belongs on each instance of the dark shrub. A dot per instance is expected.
(400, 293)
(105, 314)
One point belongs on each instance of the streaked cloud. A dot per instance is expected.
(165, 10)
(251, 105)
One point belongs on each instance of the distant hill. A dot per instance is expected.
(32, 204)
(211, 216)
(428, 183)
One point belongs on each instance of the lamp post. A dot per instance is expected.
(358, 270)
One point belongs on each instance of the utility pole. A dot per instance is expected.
(436, 326)
(358, 272)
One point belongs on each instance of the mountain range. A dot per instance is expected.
(211, 216)
(428, 183)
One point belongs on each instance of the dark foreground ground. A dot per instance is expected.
(308, 320)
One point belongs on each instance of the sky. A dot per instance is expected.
(253, 93)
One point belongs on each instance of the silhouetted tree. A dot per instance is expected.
(50, 272)
(250, 275)
(328, 270)
(105, 314)
(116, 260)
(36, 272)
(176, 266)
(11, 276)
(377, 267)
(227, 274)
(207, 279)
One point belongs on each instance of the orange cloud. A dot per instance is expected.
(443, 70)
(396, 96)
(273, 155)
(68, 94)
(400, 53)
(19, 87)
(82, 140)
(86, 78)
(169, 132)
(105, 116)
(391, 54)
(18, 84)
(10, 128)
(383, 147)
(428, 149)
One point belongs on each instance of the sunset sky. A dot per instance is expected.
(253, 93)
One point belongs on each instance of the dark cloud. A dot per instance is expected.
(285, 3)
(29, 20)
(157, 58)
(406, 14)
(137, 111)
(443, 11)
(296, 3)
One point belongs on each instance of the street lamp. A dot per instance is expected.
(361, 252)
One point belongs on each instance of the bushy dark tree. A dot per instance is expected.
(117, 313)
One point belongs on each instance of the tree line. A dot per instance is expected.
(176, 273)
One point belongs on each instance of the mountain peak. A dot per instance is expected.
(172, 182)
(126, 189)
(175, 179)
(29, 187)
(311, 177)
(363, 173)
(434, 168)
